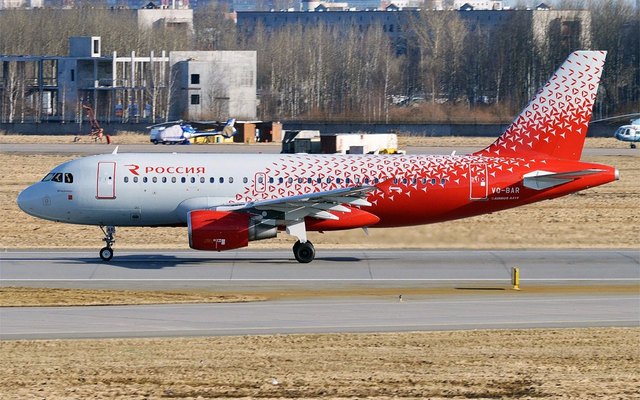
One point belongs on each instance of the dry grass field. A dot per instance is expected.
(515, 364)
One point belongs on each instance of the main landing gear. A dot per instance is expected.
(304, 252)
(106, 253)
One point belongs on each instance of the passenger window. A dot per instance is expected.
(230, 180)
(164, 179)
(245, 180)
(202, 179)
(144, 180)
(193, 179)
(260, 179)
(155, 179)
(404, 180)
(68, 178)
(135, 179)
(290, 180)
(395, 180)
(347, 181)
(433, 181)
(126, 179)
(366, 181)
(443, 181)
(183, 180)
(173, 179)
(280, 180)
(376, 180)
(221, 180)
(271, 179)
(309, 180)
(338, 180)
(212, 180)
(319, 180)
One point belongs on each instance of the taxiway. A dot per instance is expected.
(478, 278)
(266, 148)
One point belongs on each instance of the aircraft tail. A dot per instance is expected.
(554, 124)
(229, 129)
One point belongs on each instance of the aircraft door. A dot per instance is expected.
(478, 181)
(260, 182)
(106, 180)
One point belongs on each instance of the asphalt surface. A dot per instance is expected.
(477, 279)
(266, 148)
(321, 316)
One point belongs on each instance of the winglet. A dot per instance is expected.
(554, 124)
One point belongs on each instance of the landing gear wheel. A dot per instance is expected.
(106, 253)
(633, 145)
(304, 252)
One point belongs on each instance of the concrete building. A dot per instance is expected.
(176, 19)
(129, 88)
(214, 85)
(478, 4)
(6, 4)
(574, 25)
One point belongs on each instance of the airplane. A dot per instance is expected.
(181, 131)
(228, 200)
(629, 133)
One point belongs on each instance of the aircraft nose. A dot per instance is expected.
(30, 200)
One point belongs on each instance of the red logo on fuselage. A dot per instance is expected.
(166, 170)
(174, 170)
(133, 168)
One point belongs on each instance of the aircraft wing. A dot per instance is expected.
(316, 205)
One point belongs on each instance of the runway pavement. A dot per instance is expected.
(477, 301)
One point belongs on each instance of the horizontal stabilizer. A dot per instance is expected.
(540, 180)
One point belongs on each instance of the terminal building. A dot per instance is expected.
(127, 88)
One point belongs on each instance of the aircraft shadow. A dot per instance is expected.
(154, 262)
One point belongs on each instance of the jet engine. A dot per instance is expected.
(225, 230)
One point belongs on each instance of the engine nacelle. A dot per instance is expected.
(225, 230)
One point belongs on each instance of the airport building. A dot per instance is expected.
(127, 88)
(572, 26)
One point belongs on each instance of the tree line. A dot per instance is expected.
(444, 68)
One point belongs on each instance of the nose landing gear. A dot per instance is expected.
(106, 253)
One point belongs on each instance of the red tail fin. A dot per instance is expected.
(554, 124)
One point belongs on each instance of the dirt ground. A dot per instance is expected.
(523, 364)
(602, 217)
(46, 297)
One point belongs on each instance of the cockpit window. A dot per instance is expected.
(48, 177)
(58, 177)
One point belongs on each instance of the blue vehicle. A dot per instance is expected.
(629, 133)
(180, 132)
